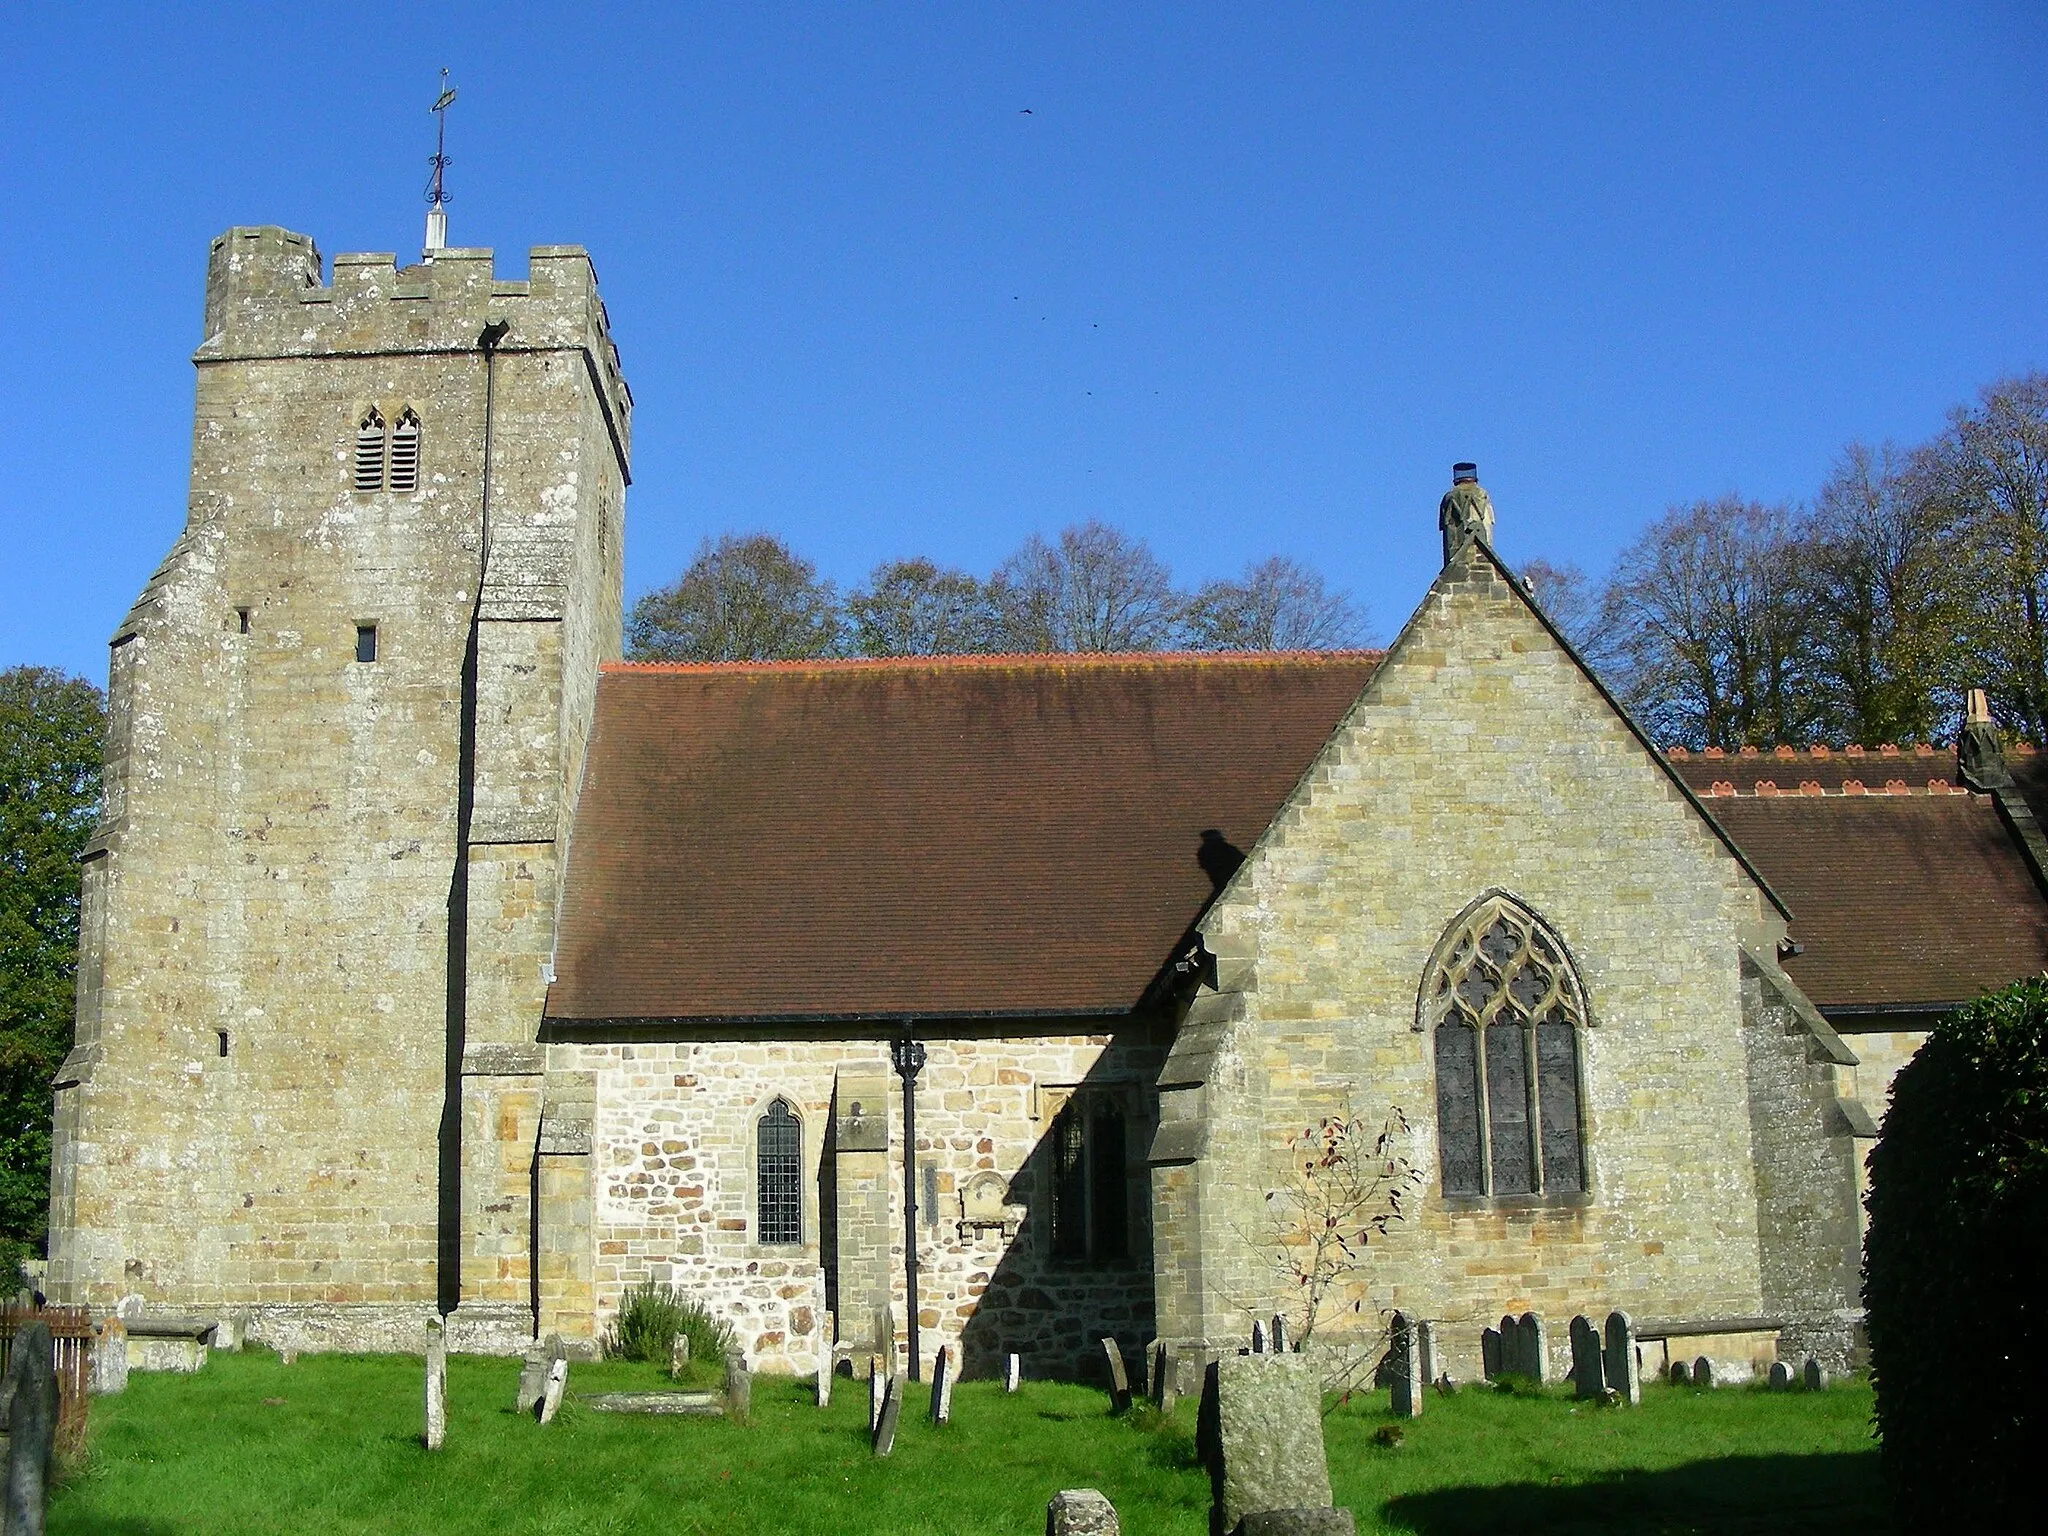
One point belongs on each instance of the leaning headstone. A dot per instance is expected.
(1703, 1372)
(1781, 1378)
(1814, 1377)
(1589, 1368)
(878, 1390)
(884, 1440)
(1535, 1349)
(1080, 1512)
(551, 1393)
(437, 1384)
(1260, 1434)
(1278, 1337)
(1492, 1360)
(1119, 1381)
(1013, 1371)
(1258, 1338)
(942, 1386)
(1404, 1361)
(1425, 1345)
(1680, 1376)
(1624, 1366)
(108, 1371)
(739, 1387)
(30, 1417)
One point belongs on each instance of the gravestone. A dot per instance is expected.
(884, 1440)
(1491, 1347)
(942, 1386)
(1535, 1348)
(533, 1372)
(1258, 1338)
(551, 1393)
(1013, 1371)
(1425, 1344)
(109, 1365)
(1589, 1368)
(437, 1385)
(1260, 1434)
(878, 1390)
(1080, 1512)
(287, 1356)
(1278, 1336)
(1163, 1362)
(28, 1411)
(1404, 1362)
(1679, 1375)
(1815, 1378)
(678, 1355)
(1510, 1346)
(739, 1387)
(1781, 1376)
(825, 1371)
(1624, 1366)
(1119, 1381)
(1298, 1522)
(1703, 1372)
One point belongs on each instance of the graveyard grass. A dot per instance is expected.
(332, 1444)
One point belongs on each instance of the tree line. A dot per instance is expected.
(1913, 575)
(1092, 588)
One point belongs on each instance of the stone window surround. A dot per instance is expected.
(810, 1163)
(388, 415)
(1424, 1025)
(1049, 1103)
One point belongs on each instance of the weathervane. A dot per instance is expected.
(437, 193)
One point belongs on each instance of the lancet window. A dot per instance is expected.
(404, 476)
(386, 455)
(369, 457)
(778, 1186)
(1502, 1006)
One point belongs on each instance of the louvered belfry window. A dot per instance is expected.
(405, 453)
(369, 460)
(1503, 1008)
(778, 1162)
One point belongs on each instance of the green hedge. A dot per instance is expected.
(1953, 1265)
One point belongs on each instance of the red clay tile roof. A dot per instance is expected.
(951, 837)
(1907, 898)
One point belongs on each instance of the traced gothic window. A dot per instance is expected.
(1503, 1009)
(369, 461)
(778, 1155)
(1090, 1188)
(405, 453)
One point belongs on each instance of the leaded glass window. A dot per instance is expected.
(778, 1160)
(1503, 1009)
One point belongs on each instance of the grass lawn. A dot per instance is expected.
(331, 1444)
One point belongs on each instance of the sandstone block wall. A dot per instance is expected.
(672, 1193)
(273, 1100)
(1479, 758)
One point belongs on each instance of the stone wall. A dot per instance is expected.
(672, 1168)
(274, 1099)
(1479, 758)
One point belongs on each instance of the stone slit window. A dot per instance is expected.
(1502, 1006)
(778, 1178)
(369, 451)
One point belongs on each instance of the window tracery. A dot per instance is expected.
(1503, 1008)
(369, 455)
(778, 1184)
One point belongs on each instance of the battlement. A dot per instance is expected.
(265, 299)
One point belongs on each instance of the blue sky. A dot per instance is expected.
(1241, 280)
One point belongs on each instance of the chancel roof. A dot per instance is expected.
(1907, 890)
(927, 837)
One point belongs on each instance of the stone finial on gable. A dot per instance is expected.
(1466, 512)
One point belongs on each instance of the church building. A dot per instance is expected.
(436, 962)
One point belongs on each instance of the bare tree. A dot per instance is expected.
(914, 608)
(1883, 599)
(1277, 605)
(1986, 477)
(1707, 628)
(744, 598)
(1095, 589)
(1567, 599)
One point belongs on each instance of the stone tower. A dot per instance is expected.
(347, 721)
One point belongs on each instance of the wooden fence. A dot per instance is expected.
(72, 1334)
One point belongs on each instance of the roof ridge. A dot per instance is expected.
(989, 659)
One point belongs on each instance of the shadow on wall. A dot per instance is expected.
(1837, 1494)
(1080, 1267)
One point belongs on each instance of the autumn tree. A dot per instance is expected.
(744, 598)
(1277, 605)
(50, 742)
(1091, 589)
(915, 608)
